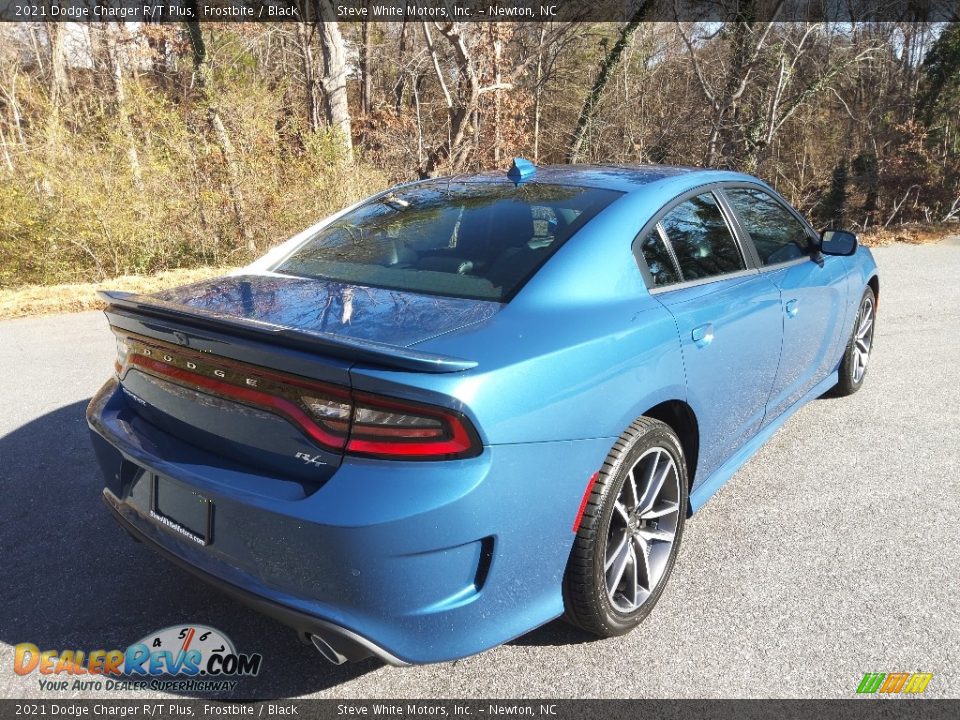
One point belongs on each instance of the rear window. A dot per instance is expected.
(473, 240)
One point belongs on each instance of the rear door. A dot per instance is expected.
(813, 292)
(728, 317)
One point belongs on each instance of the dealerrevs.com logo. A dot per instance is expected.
(193, 658)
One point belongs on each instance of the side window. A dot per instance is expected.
(701, 241)
(776, 233)
(659, 262)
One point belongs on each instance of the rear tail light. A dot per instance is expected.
(330, 412)
(333, 417)
(122, 351)
(384, 427)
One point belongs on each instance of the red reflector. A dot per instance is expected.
(586, 499)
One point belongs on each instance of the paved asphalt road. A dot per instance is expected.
(834, 552)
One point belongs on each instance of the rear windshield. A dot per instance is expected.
(473, 240)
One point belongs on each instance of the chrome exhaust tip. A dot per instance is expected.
(325, 649)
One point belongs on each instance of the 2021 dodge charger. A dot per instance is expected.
(464, 407)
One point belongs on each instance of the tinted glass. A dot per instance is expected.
(701, 240)
(776, 233)
(659, 262)
(475, 240)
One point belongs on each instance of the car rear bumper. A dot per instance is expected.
(412, 562)
(349, 645)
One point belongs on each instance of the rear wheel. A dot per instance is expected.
(629, 536)
(853, 366)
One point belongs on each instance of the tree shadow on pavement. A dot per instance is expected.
(73, 579)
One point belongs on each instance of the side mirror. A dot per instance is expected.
(838, 242)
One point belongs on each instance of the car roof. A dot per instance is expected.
(622, 178)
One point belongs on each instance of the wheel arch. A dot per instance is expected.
(874, 283)
(683, 421)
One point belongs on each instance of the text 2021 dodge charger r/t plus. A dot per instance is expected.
(465, 407)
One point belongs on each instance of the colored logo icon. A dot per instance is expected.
(894, 683)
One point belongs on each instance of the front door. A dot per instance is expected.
(813, 293)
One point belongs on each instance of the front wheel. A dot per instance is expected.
(853, 366)
(630, 532)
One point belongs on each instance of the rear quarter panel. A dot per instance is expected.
(585, 374)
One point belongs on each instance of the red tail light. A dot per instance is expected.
(392, 428)
(333, 417)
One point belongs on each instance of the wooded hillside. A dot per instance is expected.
(129, 149)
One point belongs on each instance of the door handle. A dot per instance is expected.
(792, 307)
(702, 335)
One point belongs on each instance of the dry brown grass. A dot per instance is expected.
(47, 299)
(74, 297)
(913, 234)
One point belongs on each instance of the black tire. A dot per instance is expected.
(849, 381)
(587, 602)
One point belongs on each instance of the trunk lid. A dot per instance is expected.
(211, 359)
(363, 313)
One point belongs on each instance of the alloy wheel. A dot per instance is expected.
(863, 339)
(642, 530)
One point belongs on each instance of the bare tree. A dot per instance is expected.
(856, 121)
(116, 36)
(607, 67)
(463, 102)
(747, 39)
(335, 75)
(201, 72)
(366, 74)
(59, 83)
(305, 40)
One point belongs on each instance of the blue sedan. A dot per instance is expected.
(465, 407)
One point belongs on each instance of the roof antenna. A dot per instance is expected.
(521, 169)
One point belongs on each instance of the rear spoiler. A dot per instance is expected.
(133, 306)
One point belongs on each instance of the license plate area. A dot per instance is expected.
(182, 510)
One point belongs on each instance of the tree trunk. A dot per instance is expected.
(59, 84)
(401, 74)
(497, 105)
(603, 77)
(6, 153)
(334, 79)
(537, 95)
(304, 36)
(201, 69)
(11, 101)
(460, 108)
(366, 84)
(114, 37)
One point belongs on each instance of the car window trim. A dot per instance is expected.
(665, 239)
(683, 285)
(746, 242)
(780, 200)
(784, 264)
(748, 256)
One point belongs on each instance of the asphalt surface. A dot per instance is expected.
(835, 551)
